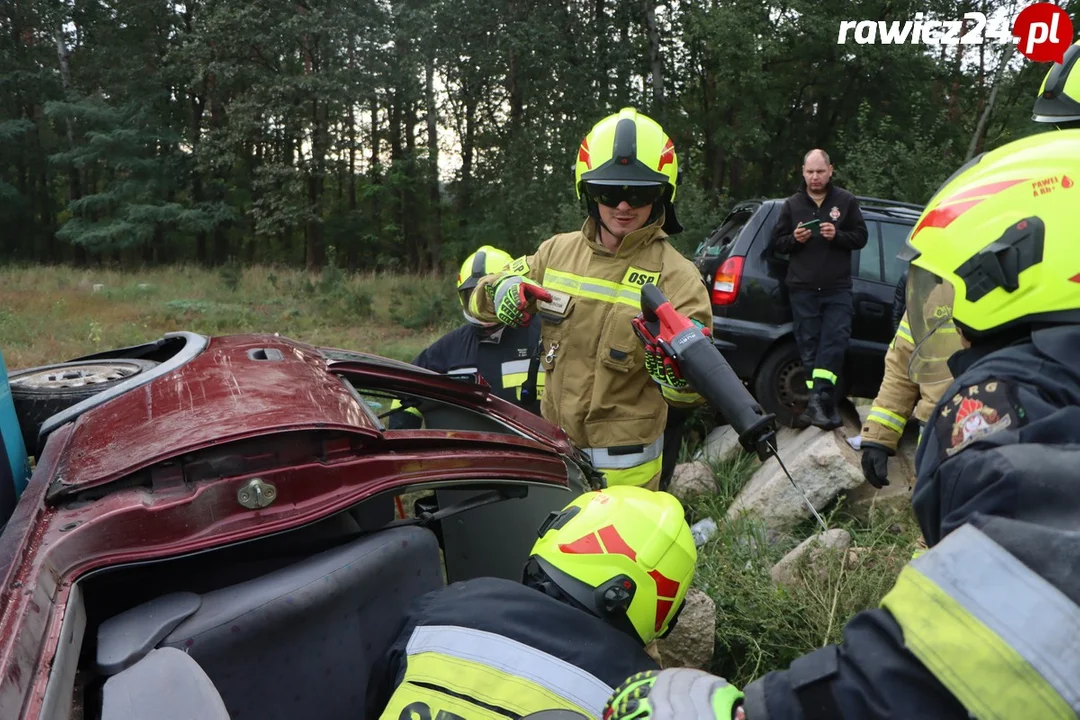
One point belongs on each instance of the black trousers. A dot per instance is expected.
(673, 437)
(822, 320)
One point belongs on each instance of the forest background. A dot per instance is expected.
(398, 135)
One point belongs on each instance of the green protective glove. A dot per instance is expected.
(511, 296)
(675, 694)
(664, 369)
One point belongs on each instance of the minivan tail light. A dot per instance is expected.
(726, 283)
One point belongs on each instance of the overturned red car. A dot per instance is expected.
(239, 500)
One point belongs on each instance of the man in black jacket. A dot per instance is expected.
(819, 227)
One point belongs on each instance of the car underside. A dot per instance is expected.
(228, 531)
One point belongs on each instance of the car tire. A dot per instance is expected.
(41, 392)
(780, 384)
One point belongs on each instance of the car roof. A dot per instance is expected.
(903, 211)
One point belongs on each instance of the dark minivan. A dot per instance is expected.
(752, 316)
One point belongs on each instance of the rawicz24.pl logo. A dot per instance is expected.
(1042, 32)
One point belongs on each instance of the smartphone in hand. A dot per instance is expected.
(814, 226)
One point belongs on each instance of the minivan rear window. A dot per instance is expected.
(724, 234)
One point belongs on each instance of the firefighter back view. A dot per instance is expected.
(986, 623)
(608, 575)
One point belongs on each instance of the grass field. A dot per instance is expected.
(55, 314)
(52, 314)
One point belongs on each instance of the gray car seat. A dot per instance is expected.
(297, 642)
(165, 685)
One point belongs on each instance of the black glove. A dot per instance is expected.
(875, 464)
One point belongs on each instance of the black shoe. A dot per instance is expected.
(815, 413)
(831, 410)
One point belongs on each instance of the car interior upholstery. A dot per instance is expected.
(299, 639)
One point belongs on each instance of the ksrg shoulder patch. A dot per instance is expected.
(976, 412)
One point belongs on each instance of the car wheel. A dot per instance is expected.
(780, 384)
(41, 392)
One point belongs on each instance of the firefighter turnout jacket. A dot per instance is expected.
(507, 359)
(899, 398)
(492, 649)
(986, 623)
(597, 388)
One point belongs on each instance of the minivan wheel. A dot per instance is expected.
(780, 384)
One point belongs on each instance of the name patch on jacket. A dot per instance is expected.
(558, 304)
(638, 277)
(975, 413)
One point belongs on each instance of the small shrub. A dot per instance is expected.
(417, 306)
(231, 273)
(359, 303)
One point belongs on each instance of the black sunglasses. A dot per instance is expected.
(636, 196)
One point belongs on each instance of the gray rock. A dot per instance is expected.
(822, 464)
(722, 445)
(692, 478)
(692, 641)
(814, 549)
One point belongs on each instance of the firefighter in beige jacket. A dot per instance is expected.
(899, 398)
(586, 287)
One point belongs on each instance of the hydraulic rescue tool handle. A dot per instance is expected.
(708, 372)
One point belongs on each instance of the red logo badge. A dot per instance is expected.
(1045, 32)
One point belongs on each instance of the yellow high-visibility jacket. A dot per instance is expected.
(596, 386)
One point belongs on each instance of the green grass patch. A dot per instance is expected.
(762, 626)
(53, 314)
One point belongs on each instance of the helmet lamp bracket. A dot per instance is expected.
(999, 264)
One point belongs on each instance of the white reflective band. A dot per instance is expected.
(515, 366)
(1029, 614)
(462, 371)
(602, 459)
(557, 676)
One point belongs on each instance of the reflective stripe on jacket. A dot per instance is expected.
(597, 388)
(1003, 640)
(898, 397)
(493, 649)
(482, 675)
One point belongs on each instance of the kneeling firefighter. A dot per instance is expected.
(608, 575)
(986, 623)
(506, 357)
